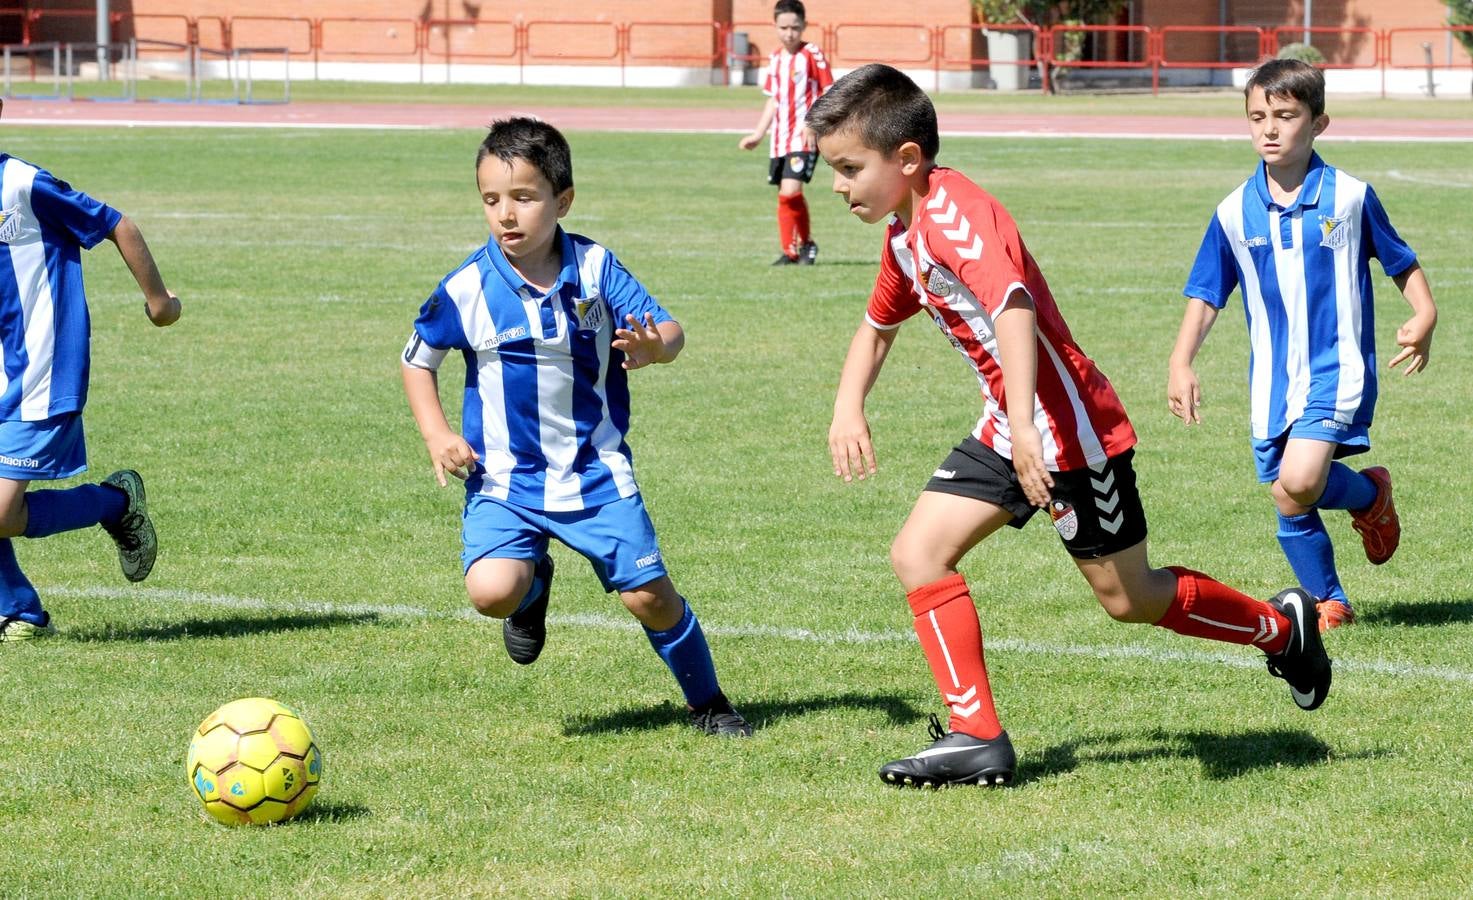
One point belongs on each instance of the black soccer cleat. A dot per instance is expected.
(785, 260)
(525, 632)
(717, 717)
(808, 253)
(954, 758)
(1303, 662)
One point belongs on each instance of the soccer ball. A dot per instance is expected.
(253, 762)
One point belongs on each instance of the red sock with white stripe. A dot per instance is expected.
(1207, 608)
(800, 219)
(787, 223)
(946, 622)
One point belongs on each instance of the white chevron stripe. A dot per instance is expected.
(1113, 525)
(962, 698)
(1103, 485)
(961, 232)
(1106, 505)
(936, 201)
(967, 711)
(945, 218)
(972, 252)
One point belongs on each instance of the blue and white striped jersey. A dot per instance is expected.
(546, 397)
(44, 327)
(1305, 276)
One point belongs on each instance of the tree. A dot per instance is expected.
(1047, 13)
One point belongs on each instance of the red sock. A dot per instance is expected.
(800, 218)
(1207, 608)
(946, 622)
(787, 224)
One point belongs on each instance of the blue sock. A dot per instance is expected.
(1346, 488)
(1307, 545)
(684, 650)
(52, 512)
(18, 599)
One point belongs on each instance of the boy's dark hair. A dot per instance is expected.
(789, 6)
(1290, 79)
(881, 106)
(535, 141)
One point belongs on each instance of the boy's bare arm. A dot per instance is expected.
(768, 112)
(849, 439)
(1183, 391)
(1415, 336)
(1017, 345)
(161, 304)
(448, 451)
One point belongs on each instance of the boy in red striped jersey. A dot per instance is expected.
(797, 74)
(953, 252)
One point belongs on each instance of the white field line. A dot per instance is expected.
(1422, 179)
(1244, 660)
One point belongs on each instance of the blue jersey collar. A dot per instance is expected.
(514, 279)
(1309, 192)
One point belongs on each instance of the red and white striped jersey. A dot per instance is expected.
(795, 81)
(960, 259)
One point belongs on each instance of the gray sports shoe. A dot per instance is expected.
(138, 545)
(21, 630)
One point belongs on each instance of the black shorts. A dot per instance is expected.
(798, 165)
(1096, 511)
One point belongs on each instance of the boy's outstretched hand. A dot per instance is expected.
(641, 343)
(1415, 340)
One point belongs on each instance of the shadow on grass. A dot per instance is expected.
(1419, 614)
(236, 626)
(1222, 756)
(761, 714)
(328, 812)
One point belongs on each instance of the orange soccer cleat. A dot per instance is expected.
(1378, 524)
(1334, 613)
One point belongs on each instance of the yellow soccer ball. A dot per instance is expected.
(253, 762)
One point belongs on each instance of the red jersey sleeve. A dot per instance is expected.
(974, 237)
(819, 70)
(769, 85)
(894, 299)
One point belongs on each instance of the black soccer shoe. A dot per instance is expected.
(1303, 662)
(718, 717)
(808, 253)
(954, 758)
(785, 260)
(525, 632)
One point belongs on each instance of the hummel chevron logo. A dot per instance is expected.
(1103, 485)
(961, 232)
(956, 701)
(1268, 629)
(1113, 525)
(945, 218)
(936, 201)
(972, 252)
(944, 212)
(1106, 505)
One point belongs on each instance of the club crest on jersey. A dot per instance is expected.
(591, 315)
(10, 223)
(796, 163)
(1336, 232)
(1066, 520)
(937, 283)
(1257, 240)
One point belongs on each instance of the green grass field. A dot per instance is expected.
(309, 556)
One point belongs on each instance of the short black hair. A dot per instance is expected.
(880, 105)
(535, 141)
(789, 6)
(1290, 79)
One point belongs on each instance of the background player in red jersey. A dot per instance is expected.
(797, 74)
(953, 252)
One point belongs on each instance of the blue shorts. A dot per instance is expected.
(617, 538)
(43, 451)
(1268, 454)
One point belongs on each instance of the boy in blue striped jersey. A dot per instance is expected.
(44, 339)
(549, 323)
(1297, 239)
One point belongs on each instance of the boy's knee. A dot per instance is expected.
(657, 605)
(493, 593)
(1291, 491)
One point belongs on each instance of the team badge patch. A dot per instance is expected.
(1066, 520)
(1336, 232)
(937, 283)
(796, 163)
(9, 224)
(591, 314)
